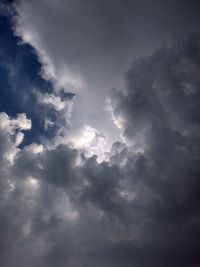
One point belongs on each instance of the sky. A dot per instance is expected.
(99, 133)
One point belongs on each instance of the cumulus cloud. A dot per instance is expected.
(74, 201)
(138, 207)
(58, 111)
(12, 133)
(158, 112)
(84, 48)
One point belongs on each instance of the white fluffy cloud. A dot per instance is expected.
(9, 125)
(12, 131)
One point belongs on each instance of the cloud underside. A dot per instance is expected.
(140, 206)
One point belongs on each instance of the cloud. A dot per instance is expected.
(139, 206)
(156, 108)
(84, 48)
(12, 133)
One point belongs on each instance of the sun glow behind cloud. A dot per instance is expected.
(91, 141)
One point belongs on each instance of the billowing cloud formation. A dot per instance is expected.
(140, 206)
(85, 46)
(159, 113)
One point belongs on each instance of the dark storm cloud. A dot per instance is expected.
(139, 208)
(162, 102)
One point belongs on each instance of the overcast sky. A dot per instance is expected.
(99, 133)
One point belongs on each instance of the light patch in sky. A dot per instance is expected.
(91, 140)
(35, 148)
(117, 120)
(32, 182)
(19, 138)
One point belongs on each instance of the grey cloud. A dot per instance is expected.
(140, 207)
(157, 105)
(98, 39)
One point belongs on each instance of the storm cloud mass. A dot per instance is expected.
(100, 134)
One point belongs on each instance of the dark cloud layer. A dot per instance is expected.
(141, 206)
